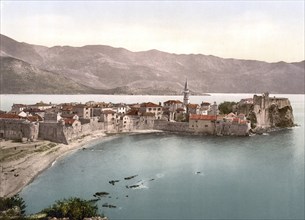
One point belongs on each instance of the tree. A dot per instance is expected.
(227, 107)
(13, 207)
(72, 208)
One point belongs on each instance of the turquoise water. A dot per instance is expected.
(194, 177)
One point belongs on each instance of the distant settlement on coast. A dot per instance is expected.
(63, 123)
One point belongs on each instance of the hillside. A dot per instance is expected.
(117, 70)
(20, 77)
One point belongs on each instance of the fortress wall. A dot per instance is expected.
(272, 111)
(13, 129)
(231, 129)
(172, 126)
(52, 131)
(145, 123)
(280, 102)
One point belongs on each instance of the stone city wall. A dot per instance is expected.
(228, 129)
(52, 131)
(272, 112)
(13, 129)
(58, 132)
(172, 126)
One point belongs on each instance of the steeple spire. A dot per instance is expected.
(186, 94)
(185, 85)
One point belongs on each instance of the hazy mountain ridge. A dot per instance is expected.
(117, 70)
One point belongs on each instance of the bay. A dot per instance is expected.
(180, 176)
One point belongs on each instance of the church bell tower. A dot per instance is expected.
(186, 94)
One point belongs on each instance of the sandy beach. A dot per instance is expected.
(20, 162)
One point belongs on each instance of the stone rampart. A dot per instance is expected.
(172, 126)
(58, 132)
(231, 129)
(272, 112)
(52, 131)
(14, 129)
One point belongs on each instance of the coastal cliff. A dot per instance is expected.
(266, 113)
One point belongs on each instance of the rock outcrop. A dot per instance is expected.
(267, 113)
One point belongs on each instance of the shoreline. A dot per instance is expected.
(17, 174)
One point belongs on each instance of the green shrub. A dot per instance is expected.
(73, 208)
(13, 207)
(227, 107)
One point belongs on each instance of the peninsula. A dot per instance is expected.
(34, 136)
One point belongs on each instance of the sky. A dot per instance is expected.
(269, 31)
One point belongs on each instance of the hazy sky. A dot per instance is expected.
(263, 30)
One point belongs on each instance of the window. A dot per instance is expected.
(149, 109)
(206, 126)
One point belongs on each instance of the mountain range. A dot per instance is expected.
(29, 69)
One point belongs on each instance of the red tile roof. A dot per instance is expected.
(132, 112)
(10, 116)
(108, 112)
(67, 107)
(202, 117)
(33, 110)
(231, 115)
(33, 118)
(206, 103)
(69, 121)
(236, 119)
(173, 102)
(192, 105)
(148, 114)
(80, 106)
(149, 105)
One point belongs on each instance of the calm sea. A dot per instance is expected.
(180, 176)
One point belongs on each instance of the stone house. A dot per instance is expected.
(110, 119)
(204, 108)
(131, 120)
(40, 105)
(71, 116)
(170, 109)
(83, 111)
(204, 124)
(146, 121)
(213, 109)
(173, 105)
(52, 117)
(13, 127)
(229, 117)
(17, 108)
(153, 108)
(193, 109)
(120, 108)
(34, 111)
(66, 109)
